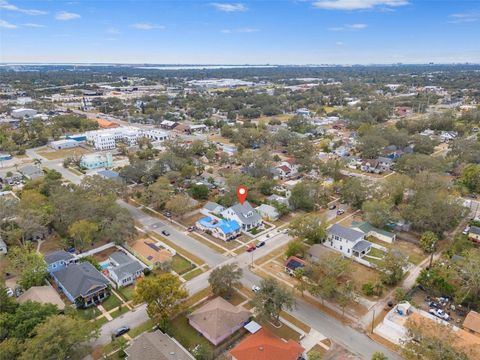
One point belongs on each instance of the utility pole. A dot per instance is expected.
(373, 319)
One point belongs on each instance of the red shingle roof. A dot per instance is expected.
(264, 346)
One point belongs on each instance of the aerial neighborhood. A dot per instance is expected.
(284, 213)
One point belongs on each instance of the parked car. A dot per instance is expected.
(167, 214)
(10, 292)
(166, 232)
(466, 230)
(340, 211)
(251, 247)
(440, 313)
(255, 288)
(191, 228)
(260, 244)
(122, 330)
(332, 207)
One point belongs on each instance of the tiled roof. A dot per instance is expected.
(264, 346)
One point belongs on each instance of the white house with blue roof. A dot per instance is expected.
(219, 228)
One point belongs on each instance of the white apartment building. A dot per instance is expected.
(107, 139)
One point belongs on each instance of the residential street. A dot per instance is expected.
(342, 334)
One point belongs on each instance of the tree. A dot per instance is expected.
(20, 323)
(394, 263)
(225, 279)
(377, 212)
(468, 277)
(163, 294)
(295, 248)
(470, 178)
(271, 299)
(7, 303)
(59, 337)
(310, 228)
(179, 204)
(428, 241)
(354, 191)
(83, 233)
(157, 194)
(30, 265)
(199, 192)
(400, 295)
(431, 340)
(379, 356)
(424, 145)
(371, 144)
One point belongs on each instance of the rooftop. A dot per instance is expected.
(345, 233)
(156, 346)
(81, 279)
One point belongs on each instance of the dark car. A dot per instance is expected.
(166, 232)
(332, 207)
(122, 330)
(260, 244)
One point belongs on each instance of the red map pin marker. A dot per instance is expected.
(242, 194)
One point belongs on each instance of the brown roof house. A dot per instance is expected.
(218, 319)
(156, 346)
(472, 322)
(43, 295)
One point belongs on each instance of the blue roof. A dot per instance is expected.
(108, 174)
(227, 226)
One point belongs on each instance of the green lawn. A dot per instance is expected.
(146, 326)
(181, 265)
(127, 292)
(193, 274)
(112, 302)
(117, 312)
(89, 313)
(181, 330)
(99, 322)
(376, 253)
(236, 298)
(283, 331)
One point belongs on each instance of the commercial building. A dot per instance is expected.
(64, 144)
(23, 112)
(95, 161)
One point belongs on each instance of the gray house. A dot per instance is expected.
(31, 172)
(156, 346)
(124, 270)
(82, 284)
(211, 208)
(58, 260)
(244, 214)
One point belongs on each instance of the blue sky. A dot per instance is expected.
(253, 32)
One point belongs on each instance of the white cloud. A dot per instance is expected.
(146, 26)
(466, 17)
(357, 4)
(352, 27)
(7, 6)
(240, 30)
(113, 31)
(65, 15)
(33, 25)
(339, 43)
(356, 26)
(6, 25)
(230, 7)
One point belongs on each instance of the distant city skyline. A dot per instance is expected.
(289, 32)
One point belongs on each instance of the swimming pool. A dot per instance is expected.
(104, 264)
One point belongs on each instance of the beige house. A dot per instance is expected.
(43, 295)
(218, 319)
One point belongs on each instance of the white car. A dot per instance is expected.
(440, 313)
(10, 292)
(466, 230)
(255, 288)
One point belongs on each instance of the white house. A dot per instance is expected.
(22, 112)
(268, 212)
(244, 214)
(64, 144)
(3, 247)
(348, 241)
(124, 270)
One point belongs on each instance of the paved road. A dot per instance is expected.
(342, 334)
(150, 223)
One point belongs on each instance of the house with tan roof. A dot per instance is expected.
(218, 319)
(42, 295)
(472, 322)
(265, 346)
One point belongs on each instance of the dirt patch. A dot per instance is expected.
(105, 254)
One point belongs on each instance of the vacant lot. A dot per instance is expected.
(64, 153)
